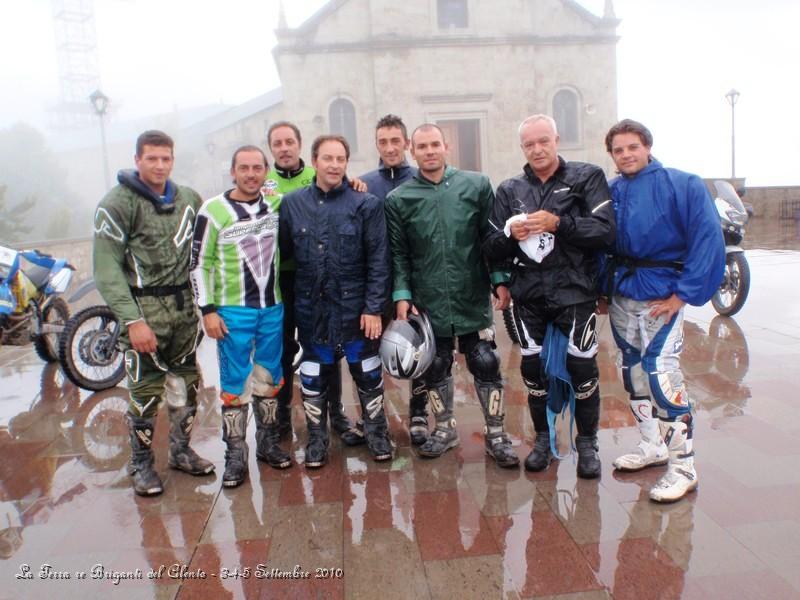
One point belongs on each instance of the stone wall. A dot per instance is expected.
(774, 202)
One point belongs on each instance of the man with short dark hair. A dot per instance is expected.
(391, 140)
(234, 273)
(288, 174)
(437, 221)
(669, 253)
(337, 237)
(552, 221)
(142, 244)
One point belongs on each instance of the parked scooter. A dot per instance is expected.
(732, 292)
(31, 308)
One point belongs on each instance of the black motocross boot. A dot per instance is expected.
(587, 413)
(445, 436)
(146, 481)
(268, 437)
(418, 413)
(234, 430)
(316, 408)
(376, 429)
(541, 456)
(181, 456)
(498, 446)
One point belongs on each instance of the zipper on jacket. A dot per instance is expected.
(444, 254)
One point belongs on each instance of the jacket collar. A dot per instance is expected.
(534, 177)
(393, 172)
(163, 204)
(653, 165)
(334, 193)
(291, 173)
(448, 172)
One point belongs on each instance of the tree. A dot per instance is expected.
(12, 227)
(29, 170)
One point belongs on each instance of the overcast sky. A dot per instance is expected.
(676, 61)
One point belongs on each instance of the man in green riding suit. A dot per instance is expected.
(142, 244)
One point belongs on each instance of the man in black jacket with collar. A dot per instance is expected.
(552, 221)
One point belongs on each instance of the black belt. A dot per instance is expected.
(631, 265)
(162, 290)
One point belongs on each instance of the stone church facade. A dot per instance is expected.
(475, 67)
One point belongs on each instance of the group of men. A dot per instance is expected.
(303, 249)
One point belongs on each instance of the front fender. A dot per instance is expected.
(88, 286)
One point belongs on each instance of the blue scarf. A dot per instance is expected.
(560, 394)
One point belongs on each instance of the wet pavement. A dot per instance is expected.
(457, 526)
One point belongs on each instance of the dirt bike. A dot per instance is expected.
(732, 293)
(31, 307)
(88, 348)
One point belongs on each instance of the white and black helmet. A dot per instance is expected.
(408, 347)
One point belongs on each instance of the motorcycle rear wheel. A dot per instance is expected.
(46, 344)
(732, 293)
(88, 351)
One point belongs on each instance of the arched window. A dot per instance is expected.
(565, 113)
(453, 13)
(342, 119)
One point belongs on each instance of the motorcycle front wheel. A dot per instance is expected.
(88, 351)
(46, 344)
(732, 293)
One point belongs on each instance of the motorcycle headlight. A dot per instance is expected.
(736, 217)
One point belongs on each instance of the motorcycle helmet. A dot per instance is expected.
(408, 347)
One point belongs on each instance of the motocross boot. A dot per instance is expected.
(268, 449)
(234, 430)
(146, 481)
(498, 446)
(587, 417)
(651, 450)
(540, 456)
(376, 429)
(681, 477)
(181, 456)
(418, 413)
(444, 436)
(316, 408)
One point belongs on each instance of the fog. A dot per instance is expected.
(194, 68)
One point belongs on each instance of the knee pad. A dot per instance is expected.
(263, 383)
(483, 362)
(585, 376)
(531, 369)
(310, 378)
(367, 373)
(175, 392)
(439, 369)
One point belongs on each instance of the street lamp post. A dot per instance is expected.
(732, 97)
(100, 104)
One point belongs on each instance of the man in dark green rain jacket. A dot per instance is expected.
(436, 222)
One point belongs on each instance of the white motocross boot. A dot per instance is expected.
(651, 451)
(680, 478)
